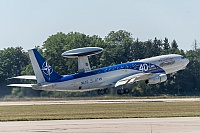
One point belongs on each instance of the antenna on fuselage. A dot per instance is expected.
(82, 55)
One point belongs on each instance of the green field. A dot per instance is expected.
(100, 111)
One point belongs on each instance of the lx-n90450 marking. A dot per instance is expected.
(151, 70)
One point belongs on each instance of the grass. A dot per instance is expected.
(100, 111)
(106, 97)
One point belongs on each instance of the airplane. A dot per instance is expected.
(150, 70)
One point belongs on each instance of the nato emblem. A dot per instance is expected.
(47, 70)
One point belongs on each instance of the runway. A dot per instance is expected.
(9, 103)
(131, 125)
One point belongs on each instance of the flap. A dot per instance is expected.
(133, 78)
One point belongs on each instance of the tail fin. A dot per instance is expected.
(42, 70)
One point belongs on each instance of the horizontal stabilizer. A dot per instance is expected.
(21, 85)
(24, 77)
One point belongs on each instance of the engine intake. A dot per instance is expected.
(156, 79)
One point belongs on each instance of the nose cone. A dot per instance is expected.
(185, 61)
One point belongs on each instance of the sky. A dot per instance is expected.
(28, 23)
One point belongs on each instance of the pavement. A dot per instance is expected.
(130, 125)
(9, 103)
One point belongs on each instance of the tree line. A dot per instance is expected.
(119, 47)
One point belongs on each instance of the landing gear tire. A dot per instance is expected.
(103, 91)
(122, 91)
(106, 91)
(126, 91)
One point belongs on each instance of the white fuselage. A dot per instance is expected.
(108, 76)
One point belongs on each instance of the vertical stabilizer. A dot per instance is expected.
(42, 70)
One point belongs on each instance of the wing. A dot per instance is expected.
(21, 85)
(133, 78)
(33, 77)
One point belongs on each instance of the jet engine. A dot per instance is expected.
(156, 79)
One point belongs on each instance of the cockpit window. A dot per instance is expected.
(182, 57)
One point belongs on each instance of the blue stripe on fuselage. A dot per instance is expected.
(130, 65)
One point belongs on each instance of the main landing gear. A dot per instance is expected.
(103, 91)
(119, 91)
(122, 91)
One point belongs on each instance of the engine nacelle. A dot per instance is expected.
(156, 79)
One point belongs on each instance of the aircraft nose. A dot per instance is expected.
(186, 61)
